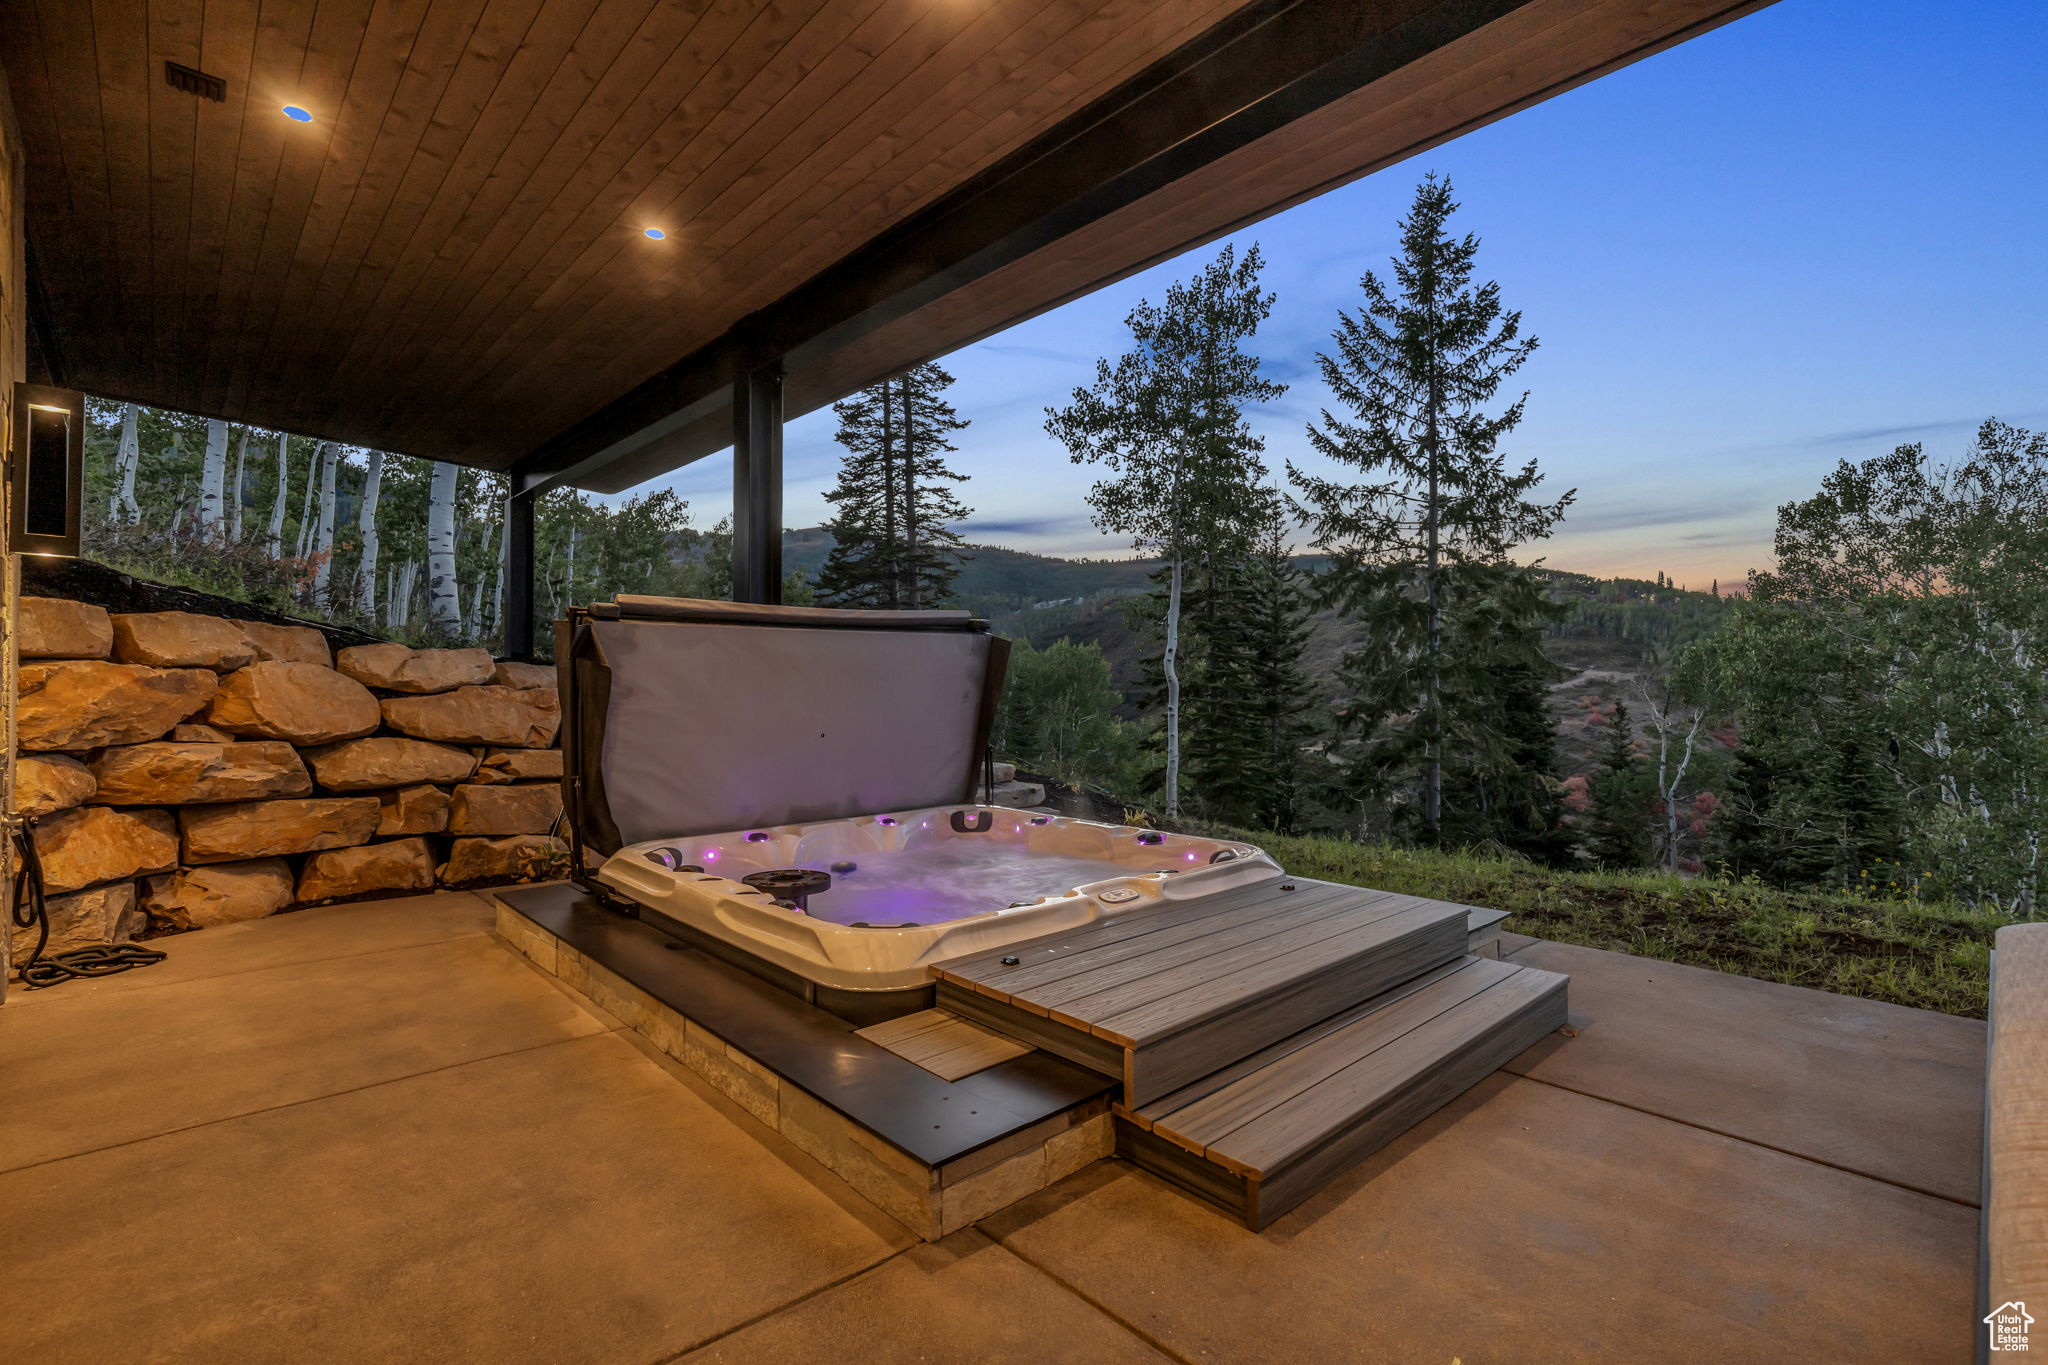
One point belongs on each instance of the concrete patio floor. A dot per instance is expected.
(372, 1132)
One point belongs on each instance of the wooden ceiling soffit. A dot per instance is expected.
(1284, 100)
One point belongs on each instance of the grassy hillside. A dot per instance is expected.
(1926, 956)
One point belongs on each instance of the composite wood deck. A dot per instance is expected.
(1162, 997)
(1263, 1134)
(1268, 1037)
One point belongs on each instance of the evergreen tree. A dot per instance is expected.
(1167, 422)
(1249, 715)
(893, 539)
(1618, 820)
(1419, 553)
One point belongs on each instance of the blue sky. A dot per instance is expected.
(1807, 236)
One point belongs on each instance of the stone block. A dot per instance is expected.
(388, 761)
(529, 809)
(511, 674)
(412, 810)
(58, 628)
(258, 829)
(223, 893)
(978, 1196)
(532, 942)
(522, 857)
(397, 865)
(519, 765)
(202, 734)
(858, 1157)
(400, 668)
(288, 644)
(302, 703)
(105, 914)
(1080, 1147)
(181, 639)
(84, 704)
(91, 844)
(606, 990)
(47, 783)
(172, 774)
(512, 717)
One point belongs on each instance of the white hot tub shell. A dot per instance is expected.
(707, 742)
(914, 887)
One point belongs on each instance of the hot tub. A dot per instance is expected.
(842, 761)
(889, 894)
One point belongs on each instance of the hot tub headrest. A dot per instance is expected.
(688, 717)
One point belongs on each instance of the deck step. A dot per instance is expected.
(1264, 1133)
(1165, 996)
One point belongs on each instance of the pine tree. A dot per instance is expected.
(1167, 421)
(1618, 823)
(1419, 554)
(1249, 715)
(893, 539)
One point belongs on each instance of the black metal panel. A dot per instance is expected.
(1268, 65)
(757, 487)
(518, 604)
(923, 1115)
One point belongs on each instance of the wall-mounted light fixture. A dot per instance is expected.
(656, 233)
(298, 115)
(47, 470)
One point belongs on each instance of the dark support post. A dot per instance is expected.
(519, 572)
(757, 486)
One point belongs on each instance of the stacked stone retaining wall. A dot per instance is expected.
(186, 770)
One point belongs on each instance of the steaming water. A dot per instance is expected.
(951, 881)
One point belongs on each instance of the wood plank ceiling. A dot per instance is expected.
(449, 259)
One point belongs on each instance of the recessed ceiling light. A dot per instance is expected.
(296, 114)
(656, 233)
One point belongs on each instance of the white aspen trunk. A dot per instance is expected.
(235, 495)
(124, 511)
(569, 579)
(444, 605)
(302, 545)
(273, 538)
(323, 537)
(366, 575)
(213, 470)
(404, 577)
(498, 597)
(1171, 663)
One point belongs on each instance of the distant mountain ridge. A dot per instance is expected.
(1621, 633)
(995, 581)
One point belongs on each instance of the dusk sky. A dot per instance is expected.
(1807, 236)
